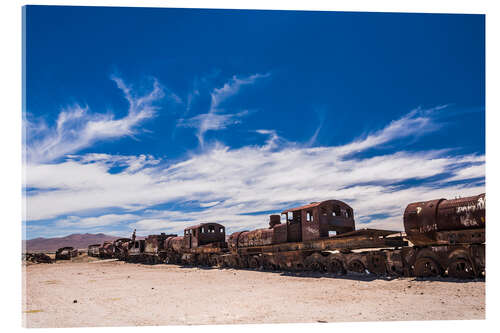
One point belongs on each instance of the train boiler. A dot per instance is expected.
(448, 236)
(154, 248)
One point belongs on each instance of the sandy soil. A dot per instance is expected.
(112, 293)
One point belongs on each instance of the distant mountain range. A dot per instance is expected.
(78, 241)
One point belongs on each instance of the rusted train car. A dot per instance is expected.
(106, 250)
(319, 236)
(442, 237)
(200, 245)
(66, 253)
(93, 250)
(155, 248)
(120, 248)
(448, 236)
(150, 250)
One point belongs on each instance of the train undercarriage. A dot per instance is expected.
(456, 261)
(361, 253)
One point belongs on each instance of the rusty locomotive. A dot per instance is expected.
(66, 253)
(442, 237)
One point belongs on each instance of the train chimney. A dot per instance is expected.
(274, 220)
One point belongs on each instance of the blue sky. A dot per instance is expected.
(157, 119)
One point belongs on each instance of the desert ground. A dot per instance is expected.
(113, 293)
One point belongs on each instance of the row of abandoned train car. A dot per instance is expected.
(442, 238)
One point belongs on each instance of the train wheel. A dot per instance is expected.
(223, 262)
(242, 262)
(427, 267)
(213, 260)
(336, 267)
(314, 263)
(377, 264)
(268, 266)
(461, 268)
(357, 267)
(254, 262)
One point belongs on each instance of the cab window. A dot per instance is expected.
(309, 217)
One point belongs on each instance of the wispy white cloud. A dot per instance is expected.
(231, 88)
(211, 121)
(209, 204)
(416, 123)
(470, 172)
(91, 222)
(217, 118)
(77, 128)
(131, 163)
(255, 179)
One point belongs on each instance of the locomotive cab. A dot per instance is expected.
(137, 247)
(317, 219)
(203, 234)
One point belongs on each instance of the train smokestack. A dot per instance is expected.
(274, 220)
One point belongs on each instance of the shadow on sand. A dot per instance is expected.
(348, 276)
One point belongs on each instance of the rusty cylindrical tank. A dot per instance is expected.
(423, 220)
(259, 237)
(174, 244)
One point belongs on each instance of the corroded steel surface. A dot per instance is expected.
(204, 233)
(106, 250)
(93, 250)
(66, 253)
(37, 258)
(120, 248)
(424, 220)
(317, 219)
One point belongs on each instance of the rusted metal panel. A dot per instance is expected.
(317, 204)
(368, 232)
(463, 213)
(294, 231)
(37, 258)
(279, 234)
(367, 238)
(470, 236)
(274, 220)
(106, 250)
(233, 240)
(136, 249)
(204, 233)
(257, 237)
(120, 248)
(66, 253)
(175, 244)
(316, 220)
(313, 226)
(154, 244)
(93, 250)
(423, 220)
